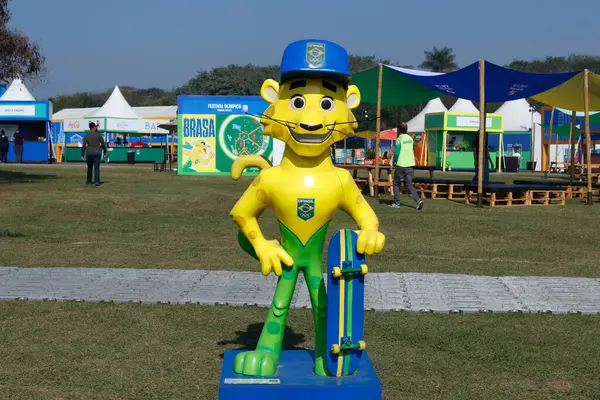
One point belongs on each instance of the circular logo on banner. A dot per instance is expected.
(241, 135)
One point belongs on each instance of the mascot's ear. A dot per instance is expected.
(270, 91)
(352, 97)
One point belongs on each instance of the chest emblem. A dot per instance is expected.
(305, 209)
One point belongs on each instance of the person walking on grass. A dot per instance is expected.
(3, 147)
(19, 140)
(402, 165)
(94, 143)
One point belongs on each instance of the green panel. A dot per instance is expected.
(240, 135)
(434, 121)
(460, 159)
(435, 140)
(152, 154)
(396, 89)
(119, 154)
(470, 122)
(563, 131)
(179, 135)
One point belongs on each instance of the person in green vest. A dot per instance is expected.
(402, 165)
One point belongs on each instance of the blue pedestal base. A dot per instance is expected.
(295, 380)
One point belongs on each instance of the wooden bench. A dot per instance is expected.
(573, 190)
(507, 195)
(441, 188)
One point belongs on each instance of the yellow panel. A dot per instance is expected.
(569, 95)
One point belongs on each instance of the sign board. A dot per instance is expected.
(213, 131)
(117, 125)
(471, 122)
(454, 121)
(82, 125)
(24, 110)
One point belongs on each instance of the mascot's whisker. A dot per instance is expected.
(358, 121)
(279, 121)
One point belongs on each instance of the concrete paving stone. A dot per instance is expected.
(383, 291)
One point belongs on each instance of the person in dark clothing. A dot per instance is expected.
(19, 140)
(486, 156)
(332, 152)
(94, 143)
(3, 147)
(476, 153)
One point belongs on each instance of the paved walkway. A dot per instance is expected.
(384, 291)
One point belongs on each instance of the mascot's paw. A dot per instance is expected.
(320, 368)
(255, 363)
(370, 242)
(271, 255)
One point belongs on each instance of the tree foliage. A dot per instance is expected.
(246, 80)
(439, 60)
(550, 64)
(135, 97)
(19, 57)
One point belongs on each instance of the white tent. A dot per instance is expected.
(517, 117)
(463, 106)
(115, 107)
(116, 115)
(417, 124)
(17, 91)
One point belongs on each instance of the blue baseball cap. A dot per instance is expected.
(313, 57)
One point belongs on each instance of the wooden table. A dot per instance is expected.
(354, 168)
(426, 168)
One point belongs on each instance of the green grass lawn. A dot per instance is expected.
(104, 351)
(146, 219)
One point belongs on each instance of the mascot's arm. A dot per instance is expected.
(245, 214)
(370, 240)
(243, 162)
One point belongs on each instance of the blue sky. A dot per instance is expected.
(94, 45)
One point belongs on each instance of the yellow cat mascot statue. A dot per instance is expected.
(310, 109)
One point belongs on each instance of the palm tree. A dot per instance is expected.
(439, 60)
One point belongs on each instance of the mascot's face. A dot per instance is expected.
(309, 115)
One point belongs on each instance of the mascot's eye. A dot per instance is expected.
(327, 103)
(297, 102)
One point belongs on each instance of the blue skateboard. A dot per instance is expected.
(346, 271)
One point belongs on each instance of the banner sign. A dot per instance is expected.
(118, 125)
(24, 110)
(213, 131)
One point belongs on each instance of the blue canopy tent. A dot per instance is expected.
(481, 81)
(20, 110)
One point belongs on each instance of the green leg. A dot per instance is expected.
(265, 359)
(318, 298)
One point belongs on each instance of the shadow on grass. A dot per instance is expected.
(10, 177)
(248, 339)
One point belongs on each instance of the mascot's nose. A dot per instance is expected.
(311, 128)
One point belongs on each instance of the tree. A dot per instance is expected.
(232, 80)
(439, 60)
(135, 97)
(574, 62)
(19, 57)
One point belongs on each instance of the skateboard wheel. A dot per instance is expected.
(364, 269)
(335, 348)
(362, 345)
(337, 272)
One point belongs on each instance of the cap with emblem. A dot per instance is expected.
(306, 58)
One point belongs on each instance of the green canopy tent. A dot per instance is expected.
(399, 90)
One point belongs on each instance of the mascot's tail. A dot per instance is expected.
(238, 166)
(243, 162)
